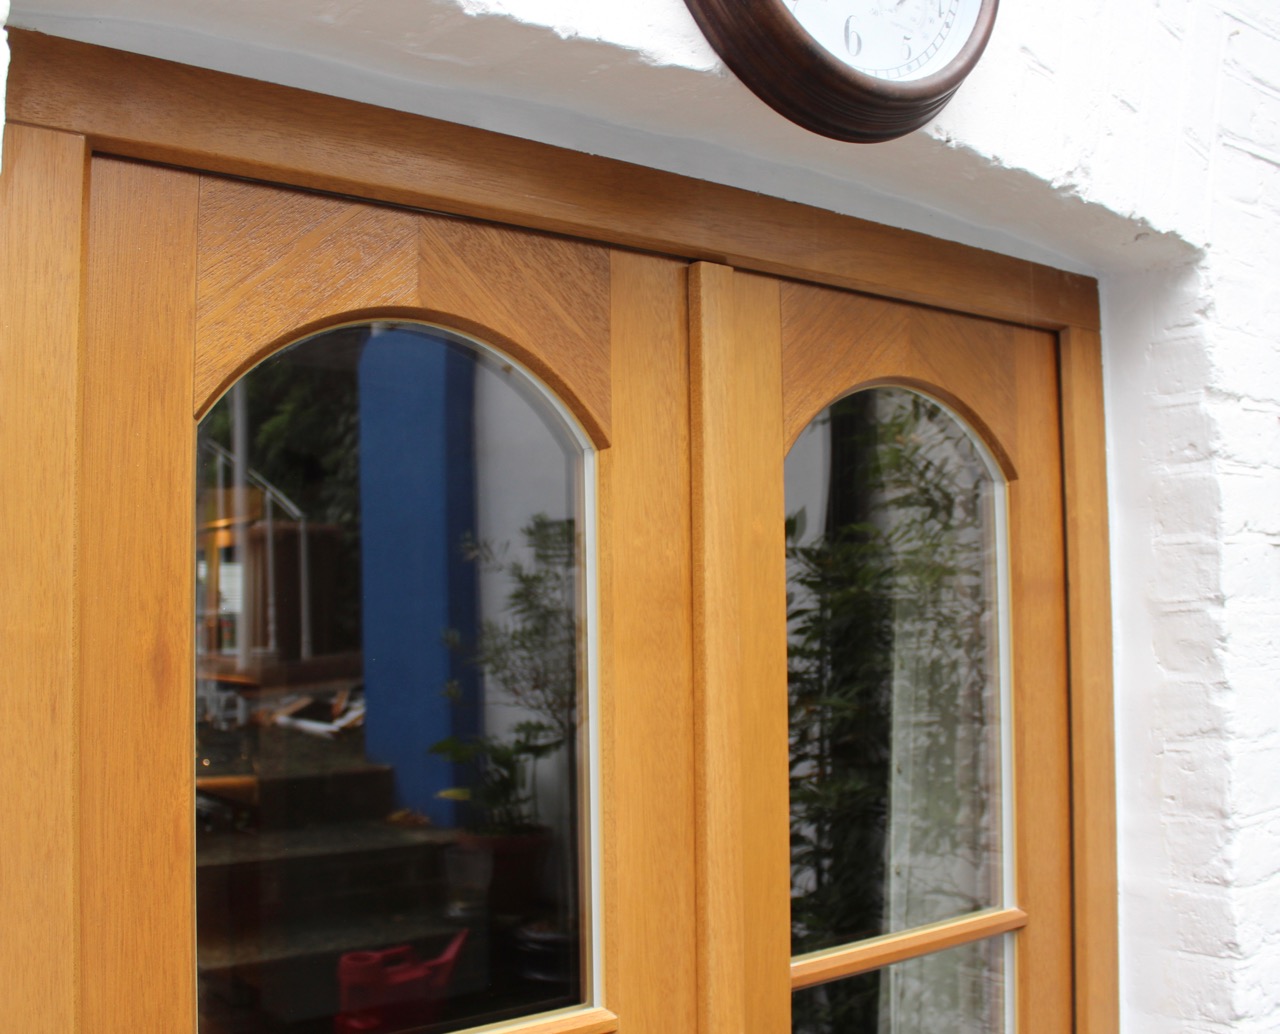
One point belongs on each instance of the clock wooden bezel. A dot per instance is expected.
(767, 48)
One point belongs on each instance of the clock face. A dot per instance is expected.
(893, 40)
(858, 70)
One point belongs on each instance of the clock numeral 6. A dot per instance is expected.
(852, 41)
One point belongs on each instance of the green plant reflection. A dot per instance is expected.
(893, 684)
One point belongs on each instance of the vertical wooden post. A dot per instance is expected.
(1093, 783)
(647, 736)
(740, 654)
(42, 191)
(136, 536)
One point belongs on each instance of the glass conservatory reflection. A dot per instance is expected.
(389, 686)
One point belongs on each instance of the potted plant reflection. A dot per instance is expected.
(508, 859)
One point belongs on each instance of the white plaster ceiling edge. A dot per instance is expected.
(677, 119)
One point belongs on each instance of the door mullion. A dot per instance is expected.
(740, 654)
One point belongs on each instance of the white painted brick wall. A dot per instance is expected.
(1244, 398)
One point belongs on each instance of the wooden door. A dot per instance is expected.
(690, 382)
(690, 386)
(192, 280)
(769, 357)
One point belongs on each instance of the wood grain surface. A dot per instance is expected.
(835, 342)
(1041, 758)
(136, 599)
(744, 903)
(648, 744)
(277, 264)
(822, 967)
(544, 299)
(1003, 381)
(42, 200)
(1097, 962)
(143, 107)
(187, 280)
(575, 1021)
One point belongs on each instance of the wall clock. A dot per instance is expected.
(859, 70)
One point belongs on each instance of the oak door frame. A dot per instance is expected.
(67, 101)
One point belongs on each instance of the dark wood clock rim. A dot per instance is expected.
(765, 47)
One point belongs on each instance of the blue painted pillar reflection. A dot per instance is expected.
(417, 499)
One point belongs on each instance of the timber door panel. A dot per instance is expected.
(193, 280)
(770, 356)
(1002, 380)
(140, 293)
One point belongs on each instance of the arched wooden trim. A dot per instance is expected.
(961, 409)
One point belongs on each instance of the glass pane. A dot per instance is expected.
(389, 669)
(960, 991)
(894, 670)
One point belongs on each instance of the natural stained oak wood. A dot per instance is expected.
(136, 600)
(276, 264)
(834, 342)
(647, 744)
(229, 277)
(1042, 766)
(544, 298)
(143, 107)
(577, 1021)
(41, 225)
(823, 967)
(744, 902)
(1093, 804)
(1003, 381)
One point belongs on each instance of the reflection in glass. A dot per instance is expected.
(389, 572)
(893, 671)
(959, 991)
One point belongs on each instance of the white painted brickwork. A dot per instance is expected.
(1194, 393)
(1138, 140)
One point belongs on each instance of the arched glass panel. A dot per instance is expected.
(895, 528)
(390, 683)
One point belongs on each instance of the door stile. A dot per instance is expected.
(647, 742)
(1041, 742)
(42, 202)
(1093, 793)
(135, 601)
(741, 654)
